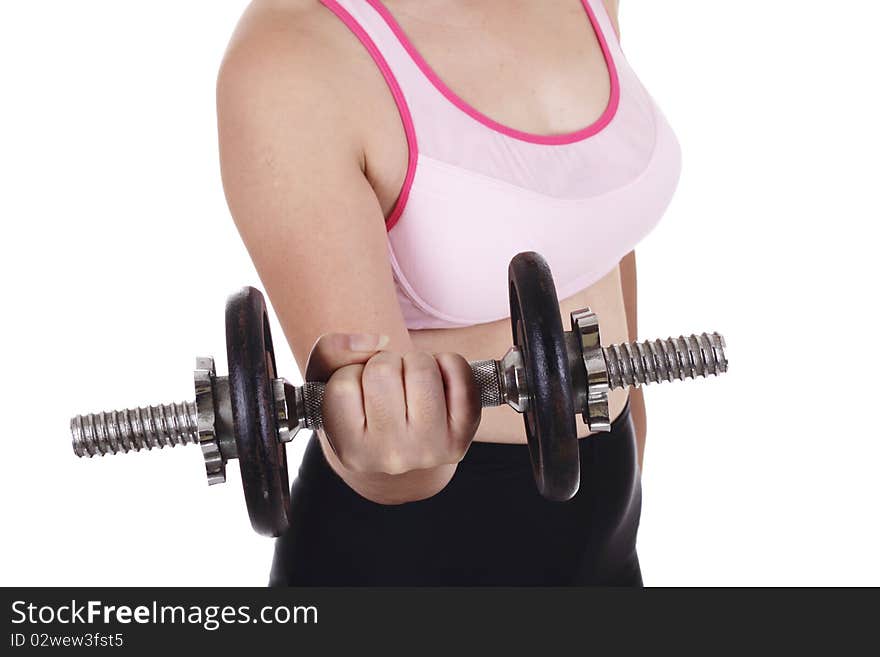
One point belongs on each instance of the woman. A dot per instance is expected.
(383, 162)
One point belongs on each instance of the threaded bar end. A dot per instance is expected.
(134, 429)
(674, 359)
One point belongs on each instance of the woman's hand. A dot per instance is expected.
(395, 424)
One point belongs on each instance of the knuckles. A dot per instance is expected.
(397, 433)
(342, 389)
(420, 366)
(381, 372)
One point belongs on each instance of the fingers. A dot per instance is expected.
(394, 413)
(333, 351)
(343, 394)
(462, 394)
(423, 387)
(384, 395)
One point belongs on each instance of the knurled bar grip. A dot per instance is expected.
(485, 374)
(627, 365)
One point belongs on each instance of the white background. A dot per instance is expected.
(118, 252)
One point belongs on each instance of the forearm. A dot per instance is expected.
(389, 489)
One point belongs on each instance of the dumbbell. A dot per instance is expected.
(548, 375)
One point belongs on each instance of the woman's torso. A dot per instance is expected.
(536, 67)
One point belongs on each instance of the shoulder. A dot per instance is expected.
(285, 54)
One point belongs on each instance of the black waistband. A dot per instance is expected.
(481, 456)
(488, 526)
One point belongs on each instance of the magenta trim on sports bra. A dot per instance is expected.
(551, 140)
(477, 192)
(400, 101)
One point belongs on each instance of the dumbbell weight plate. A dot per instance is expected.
(261, 456)
(550, 420)
(537, 331)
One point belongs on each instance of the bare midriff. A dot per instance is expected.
(502, 424)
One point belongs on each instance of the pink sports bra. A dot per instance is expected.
(476, 192)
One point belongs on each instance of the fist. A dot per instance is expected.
(388, 414)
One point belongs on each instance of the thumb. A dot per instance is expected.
(333, 351)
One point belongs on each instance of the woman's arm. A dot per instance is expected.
(292, 159)
(630, 299)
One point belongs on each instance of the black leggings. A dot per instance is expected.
(489, 526)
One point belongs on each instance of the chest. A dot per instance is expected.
(534, 66)
(504, 132)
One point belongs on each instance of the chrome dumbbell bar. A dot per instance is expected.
(207, 421)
